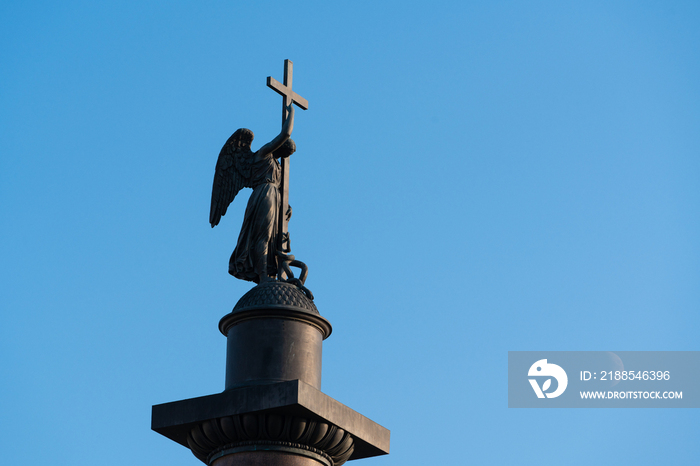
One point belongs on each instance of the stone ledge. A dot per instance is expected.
(175, 420)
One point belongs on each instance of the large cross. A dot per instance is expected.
(290, 97)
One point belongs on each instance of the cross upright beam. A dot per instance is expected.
(289, 97)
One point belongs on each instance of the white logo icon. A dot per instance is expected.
(542, 368)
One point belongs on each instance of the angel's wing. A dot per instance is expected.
(233, 172)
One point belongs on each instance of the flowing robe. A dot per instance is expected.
(256, 249)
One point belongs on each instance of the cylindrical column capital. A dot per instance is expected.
(274, 334)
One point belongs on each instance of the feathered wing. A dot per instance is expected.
(233, 172)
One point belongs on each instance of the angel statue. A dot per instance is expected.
(255, 257)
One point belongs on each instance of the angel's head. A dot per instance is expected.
(286, 149)
(241, 138)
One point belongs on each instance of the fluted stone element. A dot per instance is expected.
(211, 439)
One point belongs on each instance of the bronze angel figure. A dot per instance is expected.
(255, 256)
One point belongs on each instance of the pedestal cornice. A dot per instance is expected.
(292, 412)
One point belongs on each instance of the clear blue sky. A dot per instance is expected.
(471, 178)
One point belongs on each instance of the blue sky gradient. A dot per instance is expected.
(472, 178)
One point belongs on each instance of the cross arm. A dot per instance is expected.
(285, 92)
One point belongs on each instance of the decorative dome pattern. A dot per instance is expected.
(276, 295)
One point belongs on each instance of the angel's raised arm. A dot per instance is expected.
(281, 138)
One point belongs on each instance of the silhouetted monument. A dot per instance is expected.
(271, 411)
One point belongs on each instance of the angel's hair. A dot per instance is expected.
(242, 134)
(286, 149)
